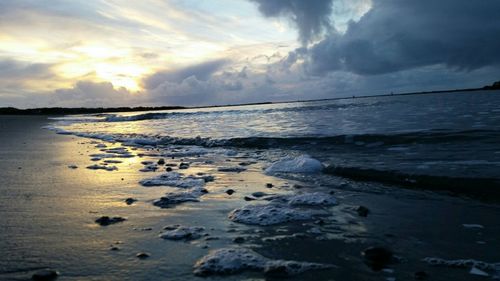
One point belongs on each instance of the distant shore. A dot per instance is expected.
(96, 110)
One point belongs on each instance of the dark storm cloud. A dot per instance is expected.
(310, 17)
(397, 35)
(201, 72)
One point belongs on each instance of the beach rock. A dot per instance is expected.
(269, 185)
(130, 201)
(105, 220)
(248, 198)
(45, 275)
(230, 191)
(421, 275)
(231, 169)
(73, 166)
(161, 161)
(183, 165)
(239, 240)
(362, 211)
(142, 255)
(377, 257)
(168, 169)
(259, 194)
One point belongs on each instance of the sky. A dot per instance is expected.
(97, 53)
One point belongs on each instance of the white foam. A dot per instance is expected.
(178, 232)
(175, 179)
(234, 260)
(149, 168)
(174, 198)
(472, 225)
(462, 263)
(269, 214)
(312, 199)
(102, 167)
(185, 152)
(300, 164)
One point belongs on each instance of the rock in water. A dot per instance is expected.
(377, 257)
(230, 191)
(363, 211)
(142, 255)
(421, 275)
(105, 220)
(45, 275)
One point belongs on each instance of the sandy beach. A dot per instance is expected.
(49, 208)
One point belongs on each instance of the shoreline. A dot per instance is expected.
(49, 221)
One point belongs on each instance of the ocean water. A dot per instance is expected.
(402, 139)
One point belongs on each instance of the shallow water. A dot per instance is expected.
(372, 149)
(448, 135)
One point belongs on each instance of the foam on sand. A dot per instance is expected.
(175, 179)
(312, 199)
(300, 164)
(234, 260)
(179, 232)
(173, 198)
(102, 167)
(270, 214)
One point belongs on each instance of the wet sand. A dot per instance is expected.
(47, 215)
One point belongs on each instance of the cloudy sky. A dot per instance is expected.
(201, 52)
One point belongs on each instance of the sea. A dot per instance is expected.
(447, 141)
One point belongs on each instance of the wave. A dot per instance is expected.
(362, 140)
(173, 114)
(482, 188)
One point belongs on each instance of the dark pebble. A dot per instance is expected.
(114, 248)
(105, 220)
(183, 165)
(168, 169)
(45, 275)
(269, 185)
(239, 240)
(130, 201)
(362, 211)
(421, 275)
(142, 255)
(230, 191)
(161, 161)
(320, 222)
(276, 271)
(377, 257)
(259, 194)
(248, 198)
